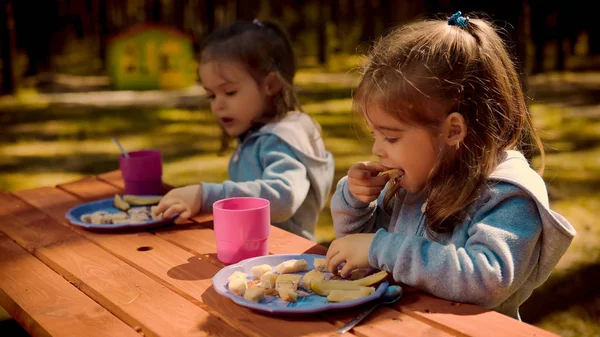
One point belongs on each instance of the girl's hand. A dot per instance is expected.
(352, 249)
(364, 181)
(186, 201)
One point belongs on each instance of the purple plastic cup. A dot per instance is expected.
(242, 227)
(142, 172)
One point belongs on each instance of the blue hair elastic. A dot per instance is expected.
(457, 20)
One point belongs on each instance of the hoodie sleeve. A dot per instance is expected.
(501, 250)
(284, 181)
(351, 215)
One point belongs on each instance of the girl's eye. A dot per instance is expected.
(230, 93)
(210, 97)
(391, 140)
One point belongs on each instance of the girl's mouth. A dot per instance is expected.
(226, 121)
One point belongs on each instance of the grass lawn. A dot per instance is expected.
(45, 143)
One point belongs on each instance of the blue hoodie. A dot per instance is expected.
(285, 163)
(507, 247)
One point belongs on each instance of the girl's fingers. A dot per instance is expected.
(335, 261)
(347, 269)
(362, 190)
(174, 209)
(183, 217)
(164, 205)
(374, 181)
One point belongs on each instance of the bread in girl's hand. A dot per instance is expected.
(393, 173)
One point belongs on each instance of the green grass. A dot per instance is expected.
(46, 144)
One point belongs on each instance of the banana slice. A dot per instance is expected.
(120, 203)
(138, 200)
(349, 295)
(324, 287)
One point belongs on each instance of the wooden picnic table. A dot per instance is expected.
(57, 279)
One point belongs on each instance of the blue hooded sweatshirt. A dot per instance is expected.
(507, 246)
(286, 163)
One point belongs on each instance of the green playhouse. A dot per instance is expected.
(149, 56)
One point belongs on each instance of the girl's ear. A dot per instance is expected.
(454, 129)
(272, 84)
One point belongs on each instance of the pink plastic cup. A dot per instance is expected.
(142, 172)
(242, 227)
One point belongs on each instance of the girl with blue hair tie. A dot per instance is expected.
(466, 218)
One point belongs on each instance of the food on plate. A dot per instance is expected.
(237, 283)
(291, 266)
(120, 203)
(371, 279)
(287, 292)
(349, 295)
(268, 280)
(132, 214)
(288, 279)
(320, 264)
(311, 275)
(139, 200)
(255, 294)
(280, 282)
(258, 271)
(324, 287)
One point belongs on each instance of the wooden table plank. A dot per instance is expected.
(89, 189)
(45, 304)
(129, 294)
(185, 273)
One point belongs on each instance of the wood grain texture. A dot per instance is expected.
(129, 294)
(45, 304)
(188, 274)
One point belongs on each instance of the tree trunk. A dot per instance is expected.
(322, 19)
(102, 31)
(7, 47)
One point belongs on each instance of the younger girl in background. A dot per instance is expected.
(466, 219)
(247, 70)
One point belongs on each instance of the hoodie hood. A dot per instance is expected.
(300, 131)
(557, 232)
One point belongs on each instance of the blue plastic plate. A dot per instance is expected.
(75, 213)
(274, 304)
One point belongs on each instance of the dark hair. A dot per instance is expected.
(425, 70)
(262, 48)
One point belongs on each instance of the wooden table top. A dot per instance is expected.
(57, 279)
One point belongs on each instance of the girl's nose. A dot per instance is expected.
(377, 150)
(218, 103)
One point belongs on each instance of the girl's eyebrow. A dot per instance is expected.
(222, 84)
(388, 128)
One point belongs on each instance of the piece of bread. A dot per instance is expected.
(393, 173)
(238, 286)
(320, 264)
(258, 271)
(311, 275)
(288, 279)
(291, 266)
(268, 280)
(255, 294)
(287, 293)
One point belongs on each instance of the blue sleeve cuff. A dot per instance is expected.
(211, 192)
(384, 249)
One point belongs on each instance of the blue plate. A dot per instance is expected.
(274, 304)
(75, 213)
